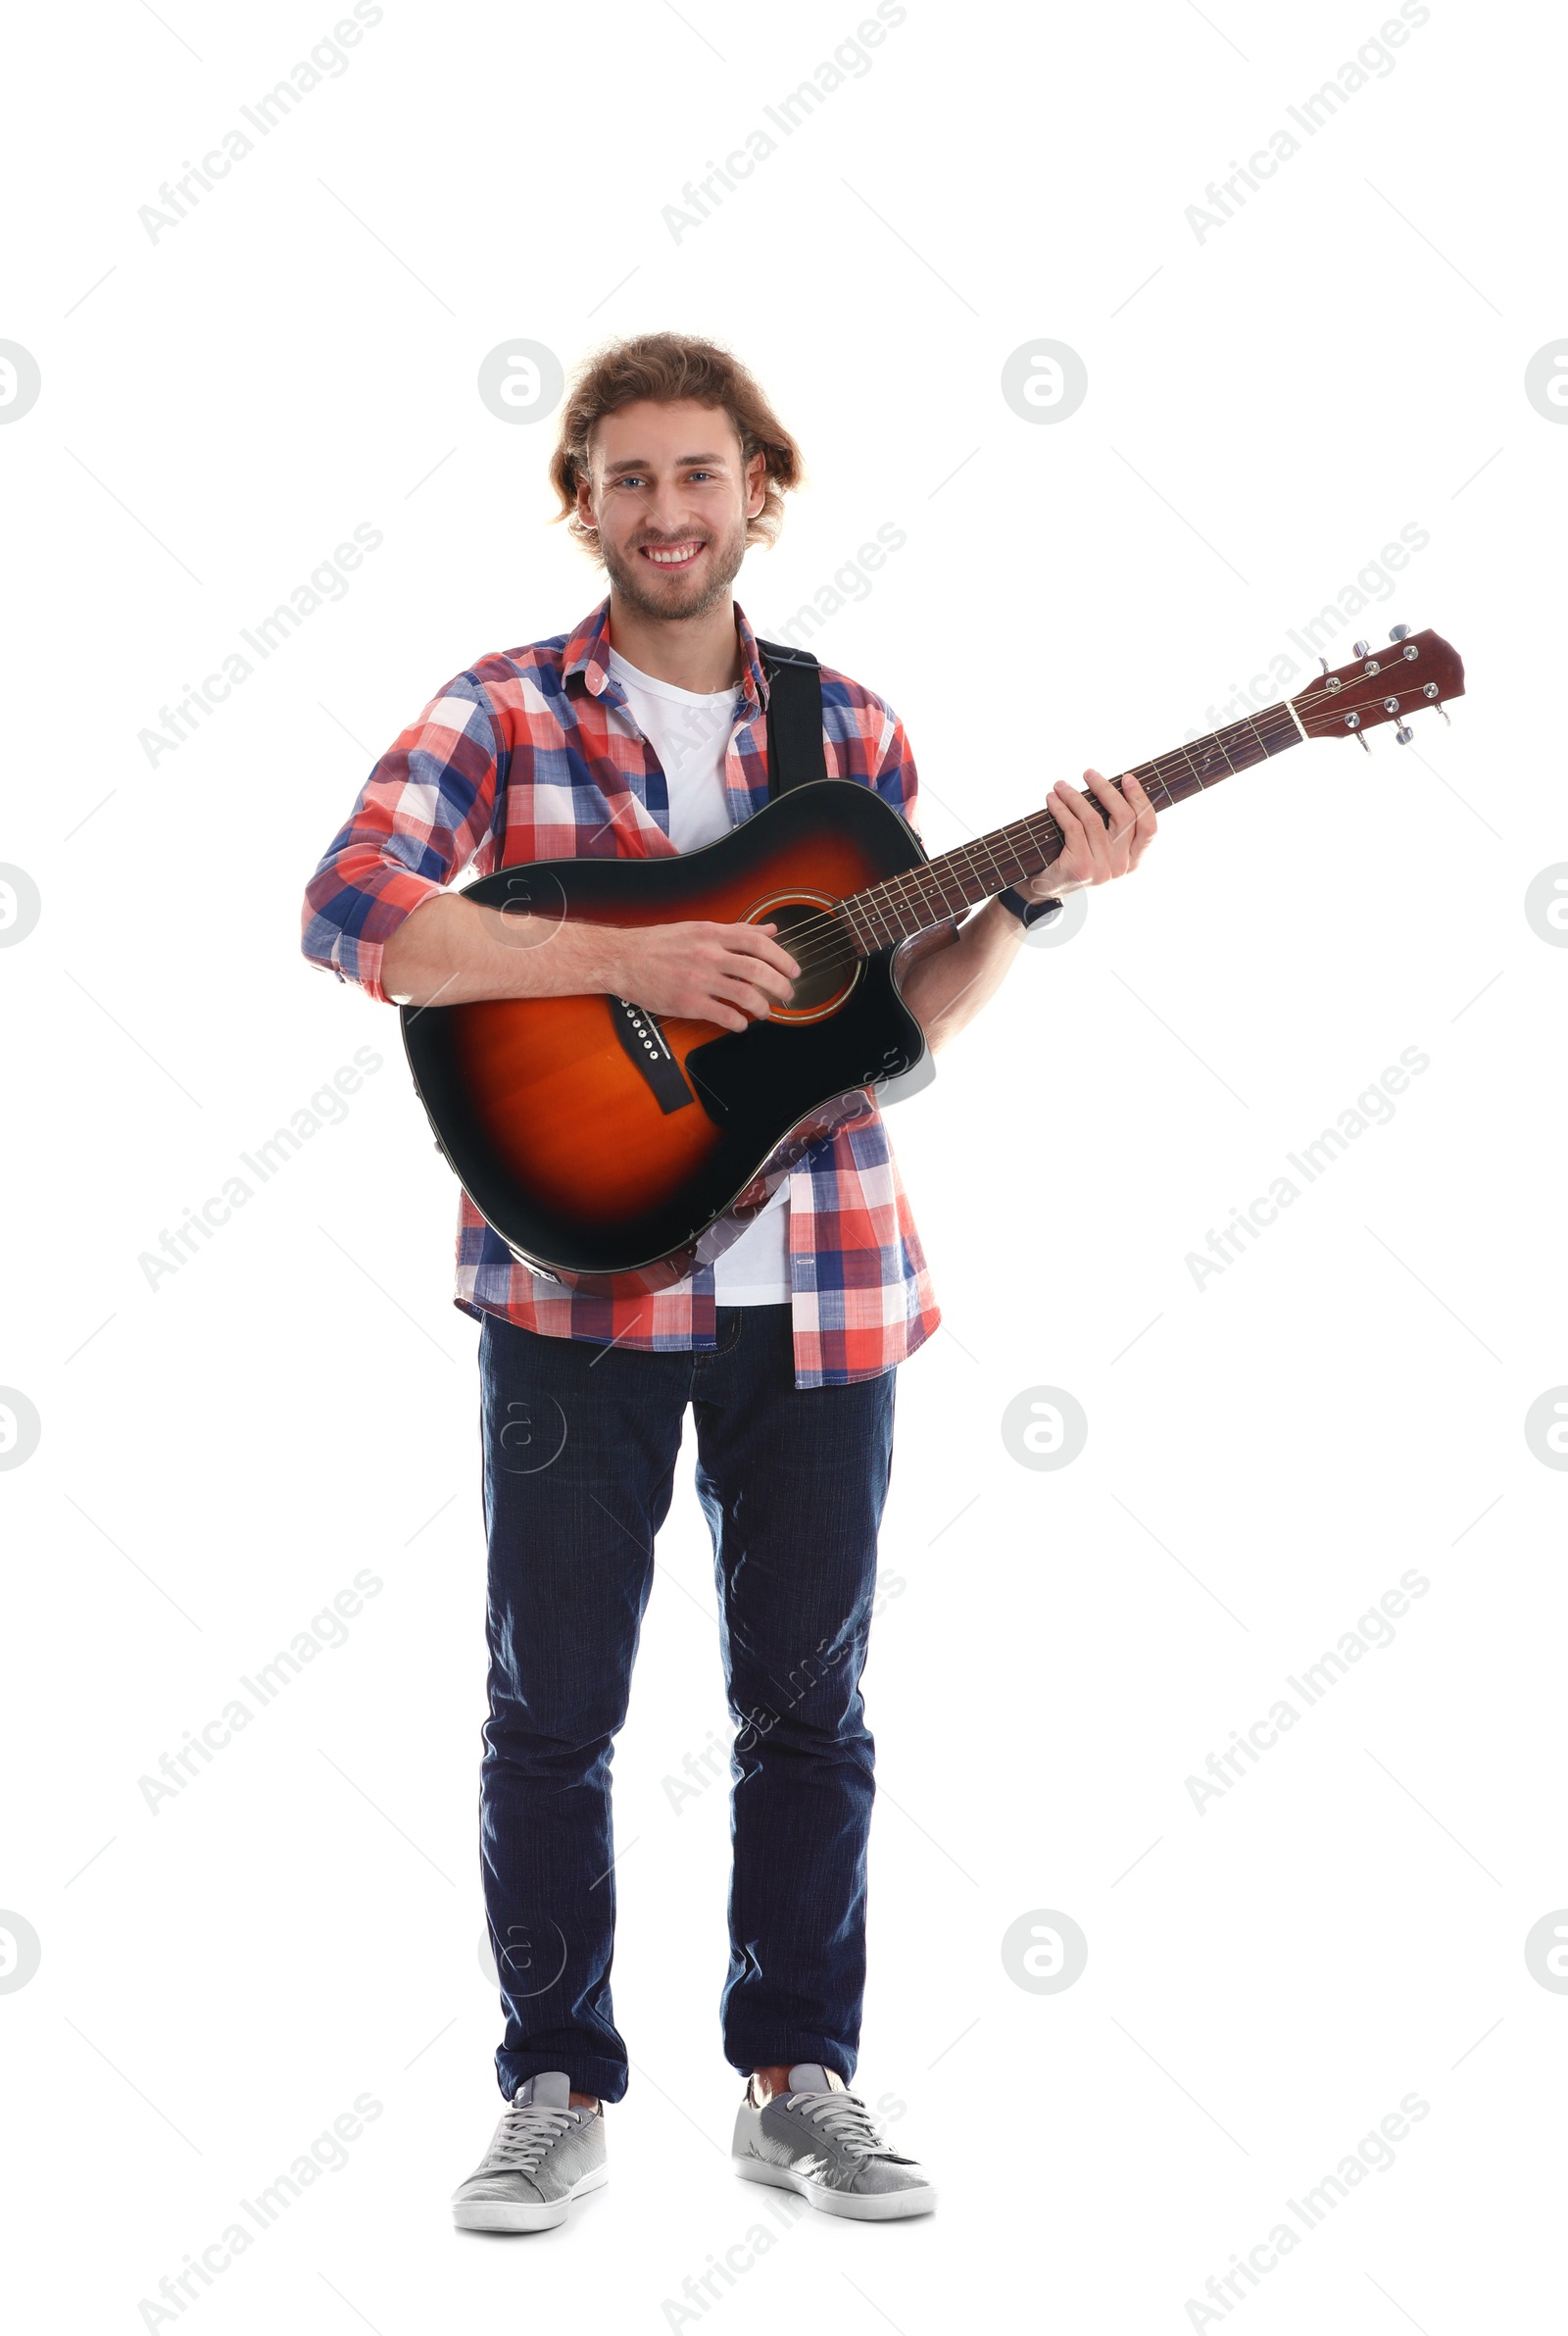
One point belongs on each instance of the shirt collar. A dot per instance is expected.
(587, 654)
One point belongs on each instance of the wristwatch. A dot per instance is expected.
(1029, 912)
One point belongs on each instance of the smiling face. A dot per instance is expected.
(670, 498)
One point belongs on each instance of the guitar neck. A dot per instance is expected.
(902, 906)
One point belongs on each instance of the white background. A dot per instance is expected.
(1057, 1651)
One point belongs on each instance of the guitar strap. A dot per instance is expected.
(795, 752)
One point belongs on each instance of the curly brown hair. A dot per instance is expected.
(666, 366)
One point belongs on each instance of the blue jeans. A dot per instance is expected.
(580, 1443)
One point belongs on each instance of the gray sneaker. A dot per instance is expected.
(821, 2139)
(544, 2155)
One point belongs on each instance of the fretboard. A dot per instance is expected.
(902, 906)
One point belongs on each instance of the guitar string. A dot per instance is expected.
(914, 887)
(913, 884)
(831, 939)
(898, 892)
(914, 890)
(828, 939)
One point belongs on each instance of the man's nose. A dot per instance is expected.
(666, 512)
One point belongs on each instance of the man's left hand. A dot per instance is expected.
(1091, 851)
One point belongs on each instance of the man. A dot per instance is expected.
(644, 732)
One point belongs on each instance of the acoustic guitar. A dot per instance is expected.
(602, 1141)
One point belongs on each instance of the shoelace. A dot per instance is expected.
(525, 2136)
(844, 2118)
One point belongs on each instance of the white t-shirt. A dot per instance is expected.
(690, 730)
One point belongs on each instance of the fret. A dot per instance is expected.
(925, 896)
(878, 912)
(999, 853)
(1025, 866)
(937, 871)
(858, 926)
(1197, 773)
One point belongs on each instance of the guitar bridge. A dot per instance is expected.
(645, 1045)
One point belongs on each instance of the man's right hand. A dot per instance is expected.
(732, 974)
(450, 951)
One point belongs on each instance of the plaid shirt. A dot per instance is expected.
(532, 754)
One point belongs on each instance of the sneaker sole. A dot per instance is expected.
(499, 2213)
(878, 2205)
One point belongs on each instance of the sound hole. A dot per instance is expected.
(821, 948)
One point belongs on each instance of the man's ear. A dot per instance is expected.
(586, 507)
(756, 485)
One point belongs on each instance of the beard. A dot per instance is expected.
(675, 594)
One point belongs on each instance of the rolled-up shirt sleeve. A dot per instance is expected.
(420, 816)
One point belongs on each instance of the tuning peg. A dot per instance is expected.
(1352, 722)
(1398, 632)
(1359, 648)
(1323, 661)
(1404, 732)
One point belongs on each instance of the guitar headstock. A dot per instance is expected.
(1416, 670)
